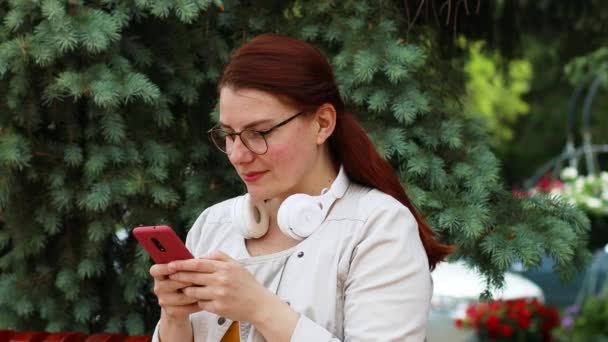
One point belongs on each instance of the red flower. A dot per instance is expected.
(546, 184)
(523, 322)
(520, 306)
(507, 331)
(494, 306)
(505, 319)
(493, 323)
(471, 311)
(551, 319)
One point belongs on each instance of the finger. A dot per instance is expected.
(199, 293)
(182, 310)
(194, 265)
(160, 270)
(194, 278)
(175, 299)
(166, 286)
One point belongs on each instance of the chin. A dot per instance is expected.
(258, 195)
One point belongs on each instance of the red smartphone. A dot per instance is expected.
(162, 243)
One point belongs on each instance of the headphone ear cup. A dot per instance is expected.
(299, 215)
(249, 219)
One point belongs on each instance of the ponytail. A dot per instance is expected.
(352, 147)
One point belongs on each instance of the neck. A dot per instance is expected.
(320, 176)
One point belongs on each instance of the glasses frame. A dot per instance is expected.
(262, 133)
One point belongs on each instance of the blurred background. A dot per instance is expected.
(535, 71)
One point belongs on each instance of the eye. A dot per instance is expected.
(228, 135)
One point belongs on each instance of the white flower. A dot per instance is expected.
(604, 176)
(579, 183)
(569, 173)
(593, 203)
(605, 195)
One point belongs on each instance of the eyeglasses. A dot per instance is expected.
(254, 140)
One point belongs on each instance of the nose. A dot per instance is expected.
(239, 153)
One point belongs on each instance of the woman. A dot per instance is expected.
(329, 247)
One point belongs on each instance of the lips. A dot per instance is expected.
(252, 176)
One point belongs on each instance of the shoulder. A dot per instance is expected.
(380, 220)
(387, 237)
(363, 203)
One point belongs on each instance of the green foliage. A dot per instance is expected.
(592, 64)
(588, 321)
(495, 88)
(103, 130)
(91, 136)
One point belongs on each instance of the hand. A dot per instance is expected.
(221, 285)
(174, 303)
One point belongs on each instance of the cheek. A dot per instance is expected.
(294, 145)
(291, 154)
(284, 152)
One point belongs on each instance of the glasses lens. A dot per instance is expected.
(219, 139)
(254, 141)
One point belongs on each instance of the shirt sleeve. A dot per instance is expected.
(388, 289)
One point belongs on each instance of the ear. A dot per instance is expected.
(326, 122)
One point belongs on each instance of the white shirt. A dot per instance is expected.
(363, 275)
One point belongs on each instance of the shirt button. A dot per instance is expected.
(300, 254)
(221, 320)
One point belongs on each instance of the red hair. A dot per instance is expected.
(295, 70)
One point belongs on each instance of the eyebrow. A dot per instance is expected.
(249, 125)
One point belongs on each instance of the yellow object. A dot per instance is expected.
(233, 334)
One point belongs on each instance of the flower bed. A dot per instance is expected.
(590, 193)
(511, 320)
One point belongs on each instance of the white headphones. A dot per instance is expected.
(298, 217)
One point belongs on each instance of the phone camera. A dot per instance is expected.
(159, 245)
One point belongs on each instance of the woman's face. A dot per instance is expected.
(292, 148)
